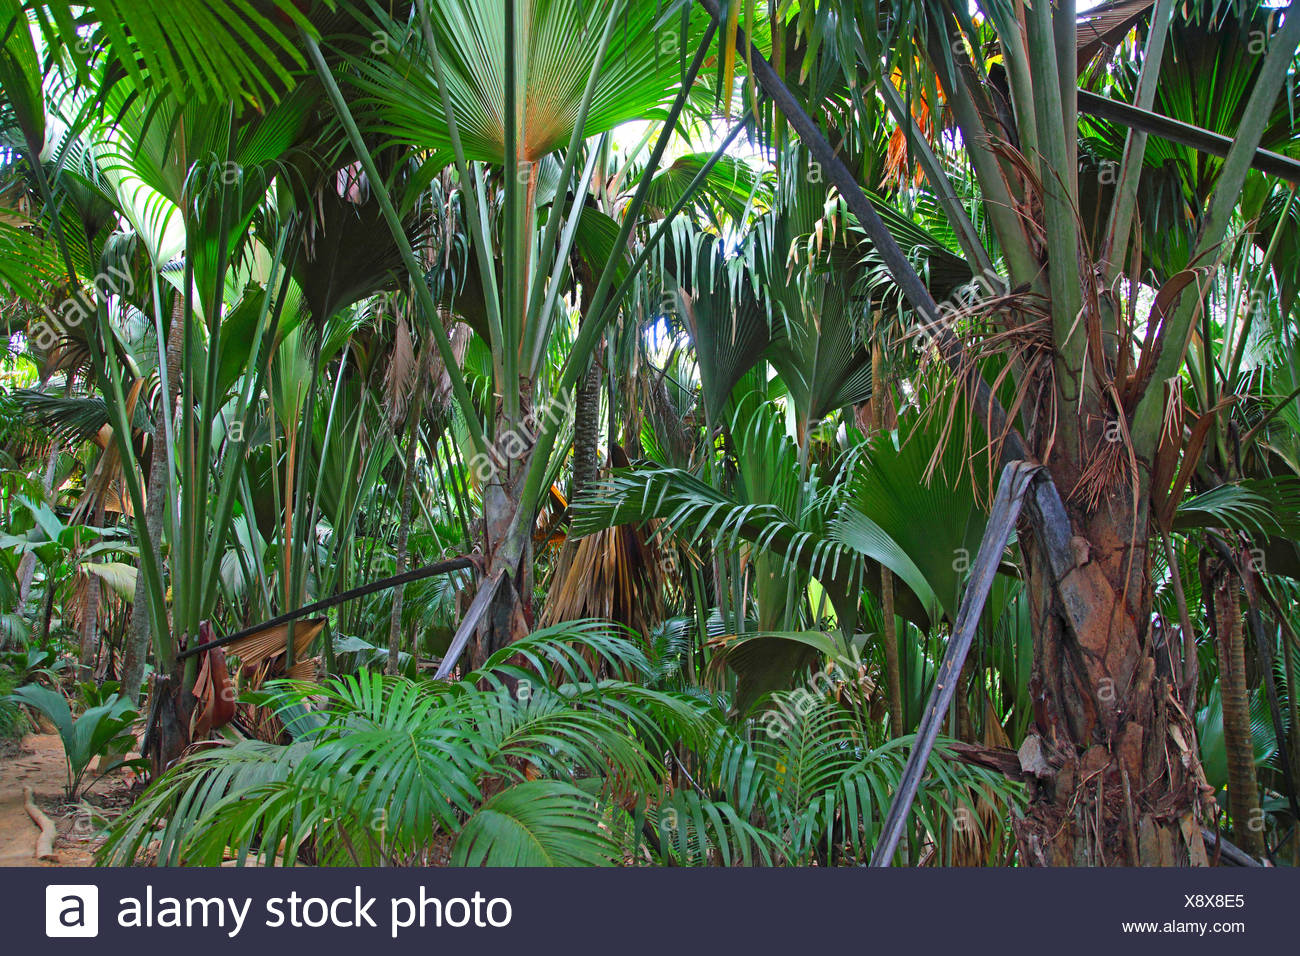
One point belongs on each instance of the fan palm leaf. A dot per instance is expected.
(398, 93)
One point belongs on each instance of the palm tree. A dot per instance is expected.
(775, 293)
(1089, 395)
(509, 126)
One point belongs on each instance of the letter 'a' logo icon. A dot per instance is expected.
(71, 910)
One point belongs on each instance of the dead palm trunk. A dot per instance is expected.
(137, 639)
(1222, 589)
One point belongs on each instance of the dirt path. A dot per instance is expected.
(39, 764)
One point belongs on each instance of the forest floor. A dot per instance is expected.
(38, 763)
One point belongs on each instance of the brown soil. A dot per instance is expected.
(39, 764)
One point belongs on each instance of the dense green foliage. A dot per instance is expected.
(711, 368)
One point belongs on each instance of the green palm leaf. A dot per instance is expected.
(399, 96)
(537, 823)
(242, 50)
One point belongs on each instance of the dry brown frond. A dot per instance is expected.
(613, 575)
(1107, 468)
(257, 648)
(400, 373)
(1015, 328)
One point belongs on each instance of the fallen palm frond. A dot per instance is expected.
(256, 649)
(261, 657)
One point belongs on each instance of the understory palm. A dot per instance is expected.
(558, 767)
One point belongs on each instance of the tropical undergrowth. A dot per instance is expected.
(539, 758)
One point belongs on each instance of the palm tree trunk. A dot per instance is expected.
(90, 616)
(26, 571)
(1293, 738)
(508, 539)
(1112, 753)
(1222, 590)
(586, 413)
(508, 535)
(47, 614)
(965, 729)
(171, 695)
(586, 431)
(893, 671)
(138, 628)
(403, 533)
(889, 632)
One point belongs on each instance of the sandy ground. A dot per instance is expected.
(39, 764)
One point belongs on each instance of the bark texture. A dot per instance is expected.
(1221, 588)
(507, 534)
(1112, 754)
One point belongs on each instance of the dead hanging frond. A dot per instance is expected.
(901, 169)
(260, 657)
(440, 394)
(615, 574)
(1029, 209)
(400, 378)
(75, 604)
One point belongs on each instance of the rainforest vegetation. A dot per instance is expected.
(655, 432)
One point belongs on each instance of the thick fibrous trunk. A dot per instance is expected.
(586, 413)
(507, 534)
(1113, 754)
(169, 722)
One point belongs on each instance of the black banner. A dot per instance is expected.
(652, 911)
